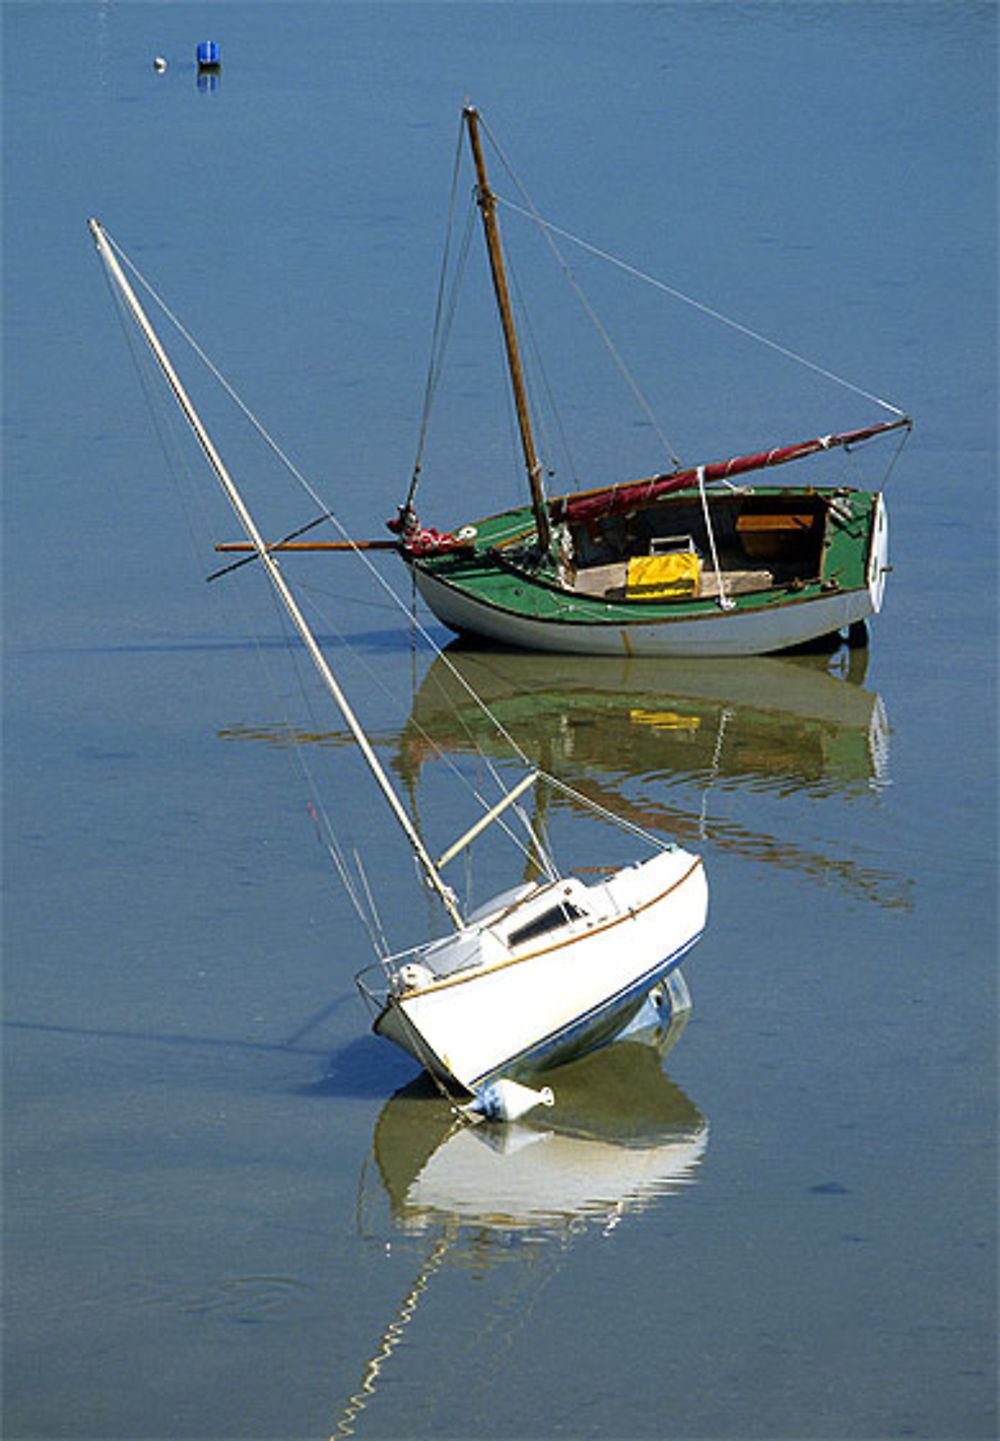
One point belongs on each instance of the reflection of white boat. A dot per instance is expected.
(549, 969)
(618, 1136)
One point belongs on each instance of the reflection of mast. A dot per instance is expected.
(390, 1339)
(620, 1137)
(878, 885)
(725, 716)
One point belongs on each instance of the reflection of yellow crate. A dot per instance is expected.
(654, 577)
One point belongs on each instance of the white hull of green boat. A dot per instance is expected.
(746, 630)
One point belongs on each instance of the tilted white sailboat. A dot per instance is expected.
(543, 972)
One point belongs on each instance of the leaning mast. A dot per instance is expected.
(274, 573)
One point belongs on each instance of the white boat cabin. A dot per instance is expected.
(511, 926)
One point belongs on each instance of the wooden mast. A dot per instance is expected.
(487, 205)
(271, 566)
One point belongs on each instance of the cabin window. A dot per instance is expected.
(549, 920)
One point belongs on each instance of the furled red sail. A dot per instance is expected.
(635, 494)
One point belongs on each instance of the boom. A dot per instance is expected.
(588, 505)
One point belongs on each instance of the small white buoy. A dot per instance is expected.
(159, 64)
(505, 1100)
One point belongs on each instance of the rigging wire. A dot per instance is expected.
(539, 849)
(509, 740)
(904, 437)
(438, 345)
(182, 472)
(175, 455)
(551, 229)
(538, 361)
(176, 460)
(373, 570)
(549, 232)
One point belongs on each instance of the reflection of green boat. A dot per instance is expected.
(632, 733)
(764, 722)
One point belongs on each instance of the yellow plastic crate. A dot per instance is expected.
(655, 577)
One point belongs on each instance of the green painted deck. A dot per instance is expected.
(491, 572)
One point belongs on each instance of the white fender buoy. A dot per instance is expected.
(508, 1100)
(159, 64)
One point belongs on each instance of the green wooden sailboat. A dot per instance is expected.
(693, 561)
(790, 567)
(690, 562)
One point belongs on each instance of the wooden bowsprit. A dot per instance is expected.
(228, 547)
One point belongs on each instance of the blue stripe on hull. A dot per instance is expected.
(593, 1029)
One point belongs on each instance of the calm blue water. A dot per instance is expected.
(225, 1214)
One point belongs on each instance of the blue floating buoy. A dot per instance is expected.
(208, 55)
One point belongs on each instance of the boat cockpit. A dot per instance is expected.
(665, 552)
